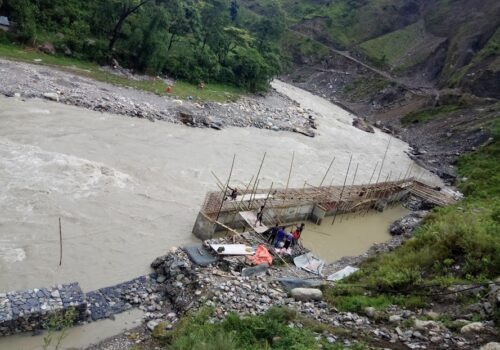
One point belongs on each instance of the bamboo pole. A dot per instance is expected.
(350, 188)
(342, 191)
(383, 159)
(246, 189)
(288, 182)
(327, 170)
(257, 179)
(252, 199)
(365, 195)
(225, 188)
(60, 243)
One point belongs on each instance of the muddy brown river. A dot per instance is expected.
(127, 189)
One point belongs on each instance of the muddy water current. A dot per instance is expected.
(127, 189)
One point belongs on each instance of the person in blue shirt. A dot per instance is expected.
(273, 233)
(280, 236)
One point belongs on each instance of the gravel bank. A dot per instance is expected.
(273, 111)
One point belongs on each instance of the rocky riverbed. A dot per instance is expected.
(272, 111)
(227, 286)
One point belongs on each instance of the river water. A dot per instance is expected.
(128, 189)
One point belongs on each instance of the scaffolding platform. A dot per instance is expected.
(250, 218)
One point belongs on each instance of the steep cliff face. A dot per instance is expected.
(426, 69)
(441, 41)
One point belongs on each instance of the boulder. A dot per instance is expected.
(306, 132)
(491, 346)
(51, 96)
(432, 314)
(370, 311)
(152, 324)
(306, 294)
(394, 318)
(186, 116)
(474, 327)
(47, 48)
(405, 225)
(363, 125)
(426, 325)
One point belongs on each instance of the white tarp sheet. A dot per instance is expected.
(309, 263)
(346, 271)
(233, 249)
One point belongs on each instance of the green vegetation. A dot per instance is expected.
(390, 48)
(353, 299)
(363, 88)
(57, 327)
(197, 41)
(428, 113)
(181, 89)
(456, 244)
(268, 331)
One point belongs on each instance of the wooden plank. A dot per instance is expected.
(251, 218)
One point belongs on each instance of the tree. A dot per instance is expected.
(233, 10)
(214, 17)
(271, 27)
(25, 15)
(184, 19)
(118, 11)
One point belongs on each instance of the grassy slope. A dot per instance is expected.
(491, 51)
(211, 92)
(459, 243)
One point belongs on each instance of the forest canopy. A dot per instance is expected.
(198, 41)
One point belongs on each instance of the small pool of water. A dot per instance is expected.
(78, 337)
(351, 235)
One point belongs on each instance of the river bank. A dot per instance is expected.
(227, 288)
(271, 111)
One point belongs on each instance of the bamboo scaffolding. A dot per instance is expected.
(342, 191)
(257, 179)
(327, 170)
(350, 188)
(225, 188)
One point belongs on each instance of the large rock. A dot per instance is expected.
(362, 125)
(394, 318)
(426, 325)
(491, 346)
(474, 327)
(406, 225)
(47, 48)
(306, 294)
(186, 115)
(51, 96)
(303, 131)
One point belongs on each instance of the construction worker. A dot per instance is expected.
(260, 215)
(234, 193)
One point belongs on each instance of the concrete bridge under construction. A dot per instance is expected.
(290, 205)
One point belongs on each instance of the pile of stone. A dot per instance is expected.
(407, 224)
(178, 278)
(27, 310)
(108, 301)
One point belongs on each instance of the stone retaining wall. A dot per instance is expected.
(27, 310)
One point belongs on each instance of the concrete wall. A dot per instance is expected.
(203, 228)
